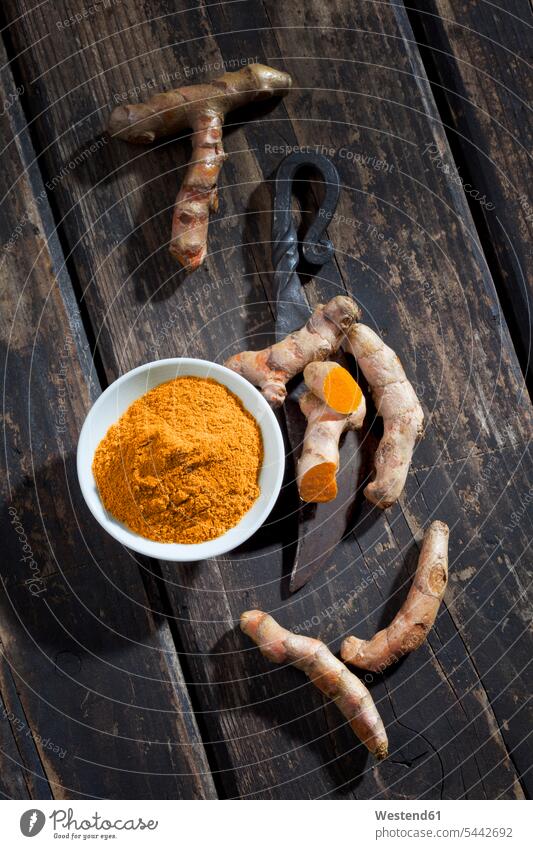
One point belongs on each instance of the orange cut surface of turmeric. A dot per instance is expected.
(341, 392)
(182, 463)
(319, 484)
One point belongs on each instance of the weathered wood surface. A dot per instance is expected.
(93, 698)
(408, 250)
(479, 56)
(21, 776)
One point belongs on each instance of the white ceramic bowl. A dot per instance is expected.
(114, 401)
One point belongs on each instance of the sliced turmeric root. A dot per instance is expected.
(317, 467)
(319, 483)
(334, 385)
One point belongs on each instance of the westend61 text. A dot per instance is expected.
(407, 815)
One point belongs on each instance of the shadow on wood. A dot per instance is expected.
(301, 719)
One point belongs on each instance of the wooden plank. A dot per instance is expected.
(21, 776)
(488, 502)
(91, 687)
(478, 59)
(428, 290)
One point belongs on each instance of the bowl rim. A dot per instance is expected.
(169, 551)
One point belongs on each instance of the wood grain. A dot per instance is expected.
(408, 250)
(93, 698)
(479, 59)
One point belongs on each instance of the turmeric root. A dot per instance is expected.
(396, 402)
(325, 671)
(271, 368)
(317, 467)
(414, 620)
(334, 385)
(203, 108)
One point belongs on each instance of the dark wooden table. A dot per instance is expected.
(125, 678)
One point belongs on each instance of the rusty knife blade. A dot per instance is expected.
(320, 526)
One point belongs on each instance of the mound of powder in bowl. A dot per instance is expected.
(182, 463)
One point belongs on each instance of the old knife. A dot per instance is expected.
(320, 526)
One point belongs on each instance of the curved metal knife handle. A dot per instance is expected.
(316, 249)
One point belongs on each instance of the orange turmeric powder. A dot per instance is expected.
(182, 463)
